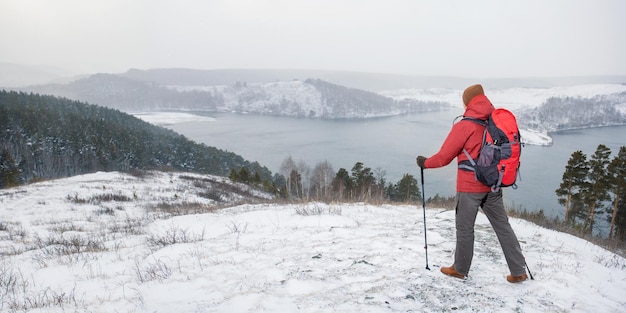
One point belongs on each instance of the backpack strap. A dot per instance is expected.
(465, 166)
(475, 120)
(472, 164)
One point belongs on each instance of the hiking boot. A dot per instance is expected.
(516, 279)
(450, 271)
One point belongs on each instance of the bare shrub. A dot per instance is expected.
(173, 236)
(75, 199)
(129, 226)
(306, 210)
(16, 297)
(4, 226)
(97, 199)
(17, 232)
(317, 209)
(238, 228)
(613, 261)
(11, 281)
(212, 194)
(105, 211)
(65, 227)
(216, 189)
(108, 197)
(46, 298)
(157, 270)
(56, 244)
(184, 208)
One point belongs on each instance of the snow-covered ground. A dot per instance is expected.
(535, 138)
(93, 243)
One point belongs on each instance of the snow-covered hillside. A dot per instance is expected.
(531, 104)
(312, 98)
(514, 99)
(111, 242)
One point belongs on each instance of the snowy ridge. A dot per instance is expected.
(524, 102)
(271, 258)
(312, 98)
(514, 99)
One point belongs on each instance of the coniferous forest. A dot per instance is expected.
(594, 188)
(45, 137)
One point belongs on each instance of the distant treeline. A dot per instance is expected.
(575, 112)
(43, 137)
(298, 181)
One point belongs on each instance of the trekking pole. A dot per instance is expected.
(424, 209)
(529, 273)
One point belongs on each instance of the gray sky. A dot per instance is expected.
(486, 38)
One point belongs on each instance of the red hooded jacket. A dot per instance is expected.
(464, 134)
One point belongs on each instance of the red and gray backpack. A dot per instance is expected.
(499, 159)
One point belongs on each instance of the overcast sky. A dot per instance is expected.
(486, 38)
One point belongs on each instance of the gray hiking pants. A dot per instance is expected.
(466, 210)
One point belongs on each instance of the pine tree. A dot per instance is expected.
(597, 189)
(408, 189)
(620, 220)
(233, 175)
(244, 175)
(342, 184)
(9, 173)
(363, 179)
(617, 174)
(569, 192)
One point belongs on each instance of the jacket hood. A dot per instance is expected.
(480, 107)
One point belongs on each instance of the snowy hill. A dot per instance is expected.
(537, 108)
(312, 98)
(542, 110)
(515, 98)
(111, 242)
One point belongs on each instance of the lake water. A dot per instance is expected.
(391, 144)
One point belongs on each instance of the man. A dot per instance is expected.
(472, 194)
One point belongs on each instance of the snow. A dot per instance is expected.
(266, 98)
(514, 99)
(309, 257)
(536, 138)
(169, 118)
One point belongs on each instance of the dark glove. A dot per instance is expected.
(420, 161)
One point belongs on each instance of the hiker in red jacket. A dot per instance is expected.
(472, 194)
